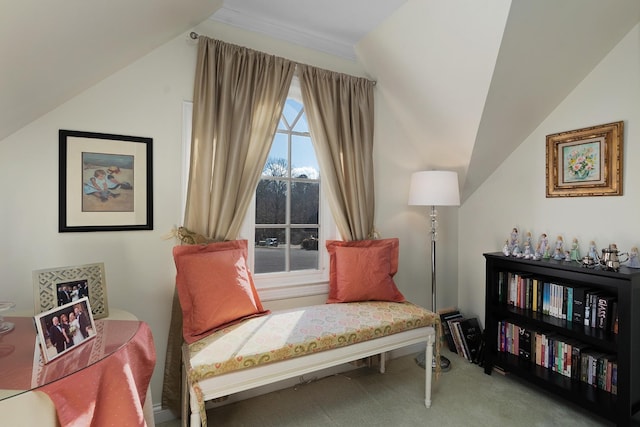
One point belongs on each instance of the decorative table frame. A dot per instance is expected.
(47, 281)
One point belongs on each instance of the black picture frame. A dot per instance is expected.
(105, 182)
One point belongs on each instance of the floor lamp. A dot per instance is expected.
(434, 188)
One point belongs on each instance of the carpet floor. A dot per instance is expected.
(463, 396)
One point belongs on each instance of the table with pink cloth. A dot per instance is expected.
(102, 382)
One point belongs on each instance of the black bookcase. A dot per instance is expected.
(624, 285)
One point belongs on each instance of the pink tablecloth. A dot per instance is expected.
(110, 392)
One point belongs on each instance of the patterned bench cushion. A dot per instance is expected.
(291, 333)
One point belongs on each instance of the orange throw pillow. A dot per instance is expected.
(215, 287)
(363, 270)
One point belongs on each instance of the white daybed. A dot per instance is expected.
(290, 343)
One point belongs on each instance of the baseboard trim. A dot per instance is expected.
(161, 415)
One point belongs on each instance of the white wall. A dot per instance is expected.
(395, 160)
(144, 99)
(514, 195)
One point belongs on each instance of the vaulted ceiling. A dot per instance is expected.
(469, 80)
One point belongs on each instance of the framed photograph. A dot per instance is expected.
(105, 182)
(65, 328)
(56, 287)
(585, 162)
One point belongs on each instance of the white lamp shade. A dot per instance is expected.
(434, 188)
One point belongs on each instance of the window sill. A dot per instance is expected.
(274, 293)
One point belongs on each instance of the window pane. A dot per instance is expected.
(305, 200)
(269, 250)
(277, 164)
(303, 158)
(301, 125)
(271, 201)
(291, 110)
(304, 249)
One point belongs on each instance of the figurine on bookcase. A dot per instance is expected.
(558, 254)
(527, 254)
(575, 250)
(513, 241)
(516, 252)
(633, 261)
(541, 249)
(593, 252)
(505, 249)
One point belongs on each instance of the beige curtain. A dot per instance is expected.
(238, 98)
(339, 110)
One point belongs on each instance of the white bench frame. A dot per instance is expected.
(245, 379)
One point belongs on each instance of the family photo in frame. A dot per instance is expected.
(54, 287)
(64, 328)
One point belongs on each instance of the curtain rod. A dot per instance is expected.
(194, 36)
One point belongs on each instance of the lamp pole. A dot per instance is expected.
(434, 188)
(434, 236)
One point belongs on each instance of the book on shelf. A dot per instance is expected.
(502, 286)
(569, 303)
(546, 297)
(512, 290)
(579, 304)
(568, 357)
(577, 348)
(591, 308)
(603, 312)
(524, 343)
(614, 377)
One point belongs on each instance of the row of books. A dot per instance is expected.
(563, 355)
(576, 304)
(463, 335)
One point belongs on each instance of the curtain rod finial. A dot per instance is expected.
(194, 35)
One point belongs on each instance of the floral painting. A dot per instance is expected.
(585, 162)
(582, 162)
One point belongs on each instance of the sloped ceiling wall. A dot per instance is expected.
(53, 50)
(548, 48)
(470, 80)
(433, 61)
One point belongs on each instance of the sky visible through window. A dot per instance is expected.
(303, 156)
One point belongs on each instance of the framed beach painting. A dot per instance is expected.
(585, 162)
(105, 182)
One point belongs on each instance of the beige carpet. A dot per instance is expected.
(464, 396)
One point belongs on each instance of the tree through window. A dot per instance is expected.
(288, 199)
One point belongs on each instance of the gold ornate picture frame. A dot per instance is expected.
(585, 162)
(55, 287)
